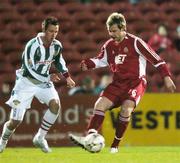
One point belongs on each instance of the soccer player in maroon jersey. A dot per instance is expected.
(127, 56)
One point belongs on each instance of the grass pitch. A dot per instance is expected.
(78, 155)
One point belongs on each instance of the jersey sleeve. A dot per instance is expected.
(60, 64)
(148, 53)
(99, 61)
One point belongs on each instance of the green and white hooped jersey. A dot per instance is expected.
(37, 59)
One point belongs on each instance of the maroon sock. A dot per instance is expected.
(121, 127)
(96, 120)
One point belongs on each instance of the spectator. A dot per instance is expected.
(105, 80)
(160, 40)
(5, 89)
(87, 87)
(177, 39)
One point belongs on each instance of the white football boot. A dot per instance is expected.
(114, 150)
(78, 140)
(2, 145)
(41, 143)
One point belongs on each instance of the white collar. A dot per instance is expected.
(39, 37)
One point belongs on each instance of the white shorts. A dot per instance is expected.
(23, 93)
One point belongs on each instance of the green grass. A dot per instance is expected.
(78, 155)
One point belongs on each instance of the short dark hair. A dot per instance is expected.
(49, 20)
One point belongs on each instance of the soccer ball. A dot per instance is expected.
(94, 142)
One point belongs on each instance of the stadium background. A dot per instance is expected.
(82, 32)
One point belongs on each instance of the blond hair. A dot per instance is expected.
(116, 18)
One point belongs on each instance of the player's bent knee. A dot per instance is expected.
(103, 104)
(127, 108)
(54, 106)
(128, 104)
(126, 112)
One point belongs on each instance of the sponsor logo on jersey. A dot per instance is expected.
(119, 59)
(46, 62)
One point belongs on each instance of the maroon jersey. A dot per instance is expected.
(128, 59)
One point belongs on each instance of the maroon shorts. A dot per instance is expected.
(118, 92)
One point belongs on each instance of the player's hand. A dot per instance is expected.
(54, 78)
(83, 66)
(169, 84)
(70, 82)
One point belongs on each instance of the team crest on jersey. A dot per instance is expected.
(16, 102)
(126, 50)
(119, 59)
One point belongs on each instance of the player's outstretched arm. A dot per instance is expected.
(87, 64)
(169, 84)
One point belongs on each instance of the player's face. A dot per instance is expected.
(51, 32)
(116, 33)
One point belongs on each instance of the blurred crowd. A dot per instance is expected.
(164, 38)
(161, 41)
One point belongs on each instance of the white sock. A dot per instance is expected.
(48, 120)
(6, 133)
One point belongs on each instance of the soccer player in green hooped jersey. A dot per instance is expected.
(34, 80)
